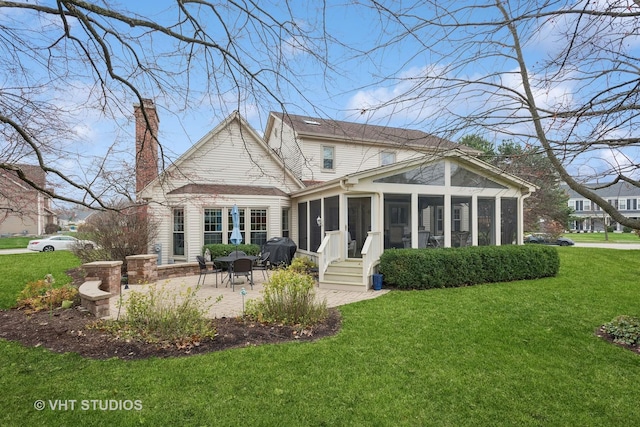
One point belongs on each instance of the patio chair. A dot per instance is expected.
(204, 270)
(242, 267)
(262, 263)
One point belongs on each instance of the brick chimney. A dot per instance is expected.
(146, 143)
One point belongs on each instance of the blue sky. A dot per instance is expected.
(367, 65)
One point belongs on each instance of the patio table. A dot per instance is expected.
(229, 259)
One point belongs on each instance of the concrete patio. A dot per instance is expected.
(231, 304)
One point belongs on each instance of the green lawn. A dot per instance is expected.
(17, 270)
(520, 353)
(14, 242)
(600, 237)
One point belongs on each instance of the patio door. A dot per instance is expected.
(358, 224)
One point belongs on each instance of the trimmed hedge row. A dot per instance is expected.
(219, 250)
(453, 267)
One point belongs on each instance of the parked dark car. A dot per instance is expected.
(547, 239)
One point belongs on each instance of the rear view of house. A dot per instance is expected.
(343, 192)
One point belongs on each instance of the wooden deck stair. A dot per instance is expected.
(344, 276)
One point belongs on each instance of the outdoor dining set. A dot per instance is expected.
(236, 264)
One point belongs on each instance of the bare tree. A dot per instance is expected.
(563, 76)
(119, 232)
(62, 62)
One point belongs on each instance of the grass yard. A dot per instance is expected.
(599, 237)
(14, 242)
(17, 270)
(520, 353)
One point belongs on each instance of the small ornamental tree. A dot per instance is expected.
(118, 233)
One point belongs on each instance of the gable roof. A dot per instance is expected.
(619, 189)
(464, 158)
(365, 133)
(235, 116)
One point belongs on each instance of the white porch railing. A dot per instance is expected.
(329, 251)
(371, 251)
(333, 248)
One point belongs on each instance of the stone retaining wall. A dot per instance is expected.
(101, 283)
(169, 271)
(108, 272)
(140, 269)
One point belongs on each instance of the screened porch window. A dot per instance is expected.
(509, 220)
(302, 226)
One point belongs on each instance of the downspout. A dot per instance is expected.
(521, 220)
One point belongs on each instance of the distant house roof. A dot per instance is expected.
(362, 132)
(33, 173)
(243, 190)
(619, 189)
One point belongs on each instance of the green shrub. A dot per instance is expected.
(624, 330)
(51, 228)
(626, 229)
(453, 267)
(288, 298)
(219, 250)
(302, 265)
(163, 316)
(41, 295)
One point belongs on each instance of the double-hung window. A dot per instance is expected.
(328, 157)
(212, 226)
(258, 226)
(178, 231)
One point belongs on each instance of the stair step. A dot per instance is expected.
(342, 277)
(341, 286)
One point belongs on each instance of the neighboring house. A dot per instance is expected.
(24, 210)
(341, 191)
(75, 219)
(590, 217)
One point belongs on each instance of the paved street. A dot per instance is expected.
(15, 251)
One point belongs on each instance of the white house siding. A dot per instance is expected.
(230, 156)
(282, 139)
(350, 157)
(225, 156)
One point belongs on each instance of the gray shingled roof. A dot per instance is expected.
(362, 132)
(619, 189)
(244, 190)
(34, 173)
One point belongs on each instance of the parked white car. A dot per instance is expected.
(59, 243)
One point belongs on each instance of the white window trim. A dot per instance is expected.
(333, 150)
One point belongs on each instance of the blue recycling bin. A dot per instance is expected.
(377, 282)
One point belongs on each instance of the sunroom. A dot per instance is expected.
(437, 201)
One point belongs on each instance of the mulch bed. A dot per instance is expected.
(63, 331)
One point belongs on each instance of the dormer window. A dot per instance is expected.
(328, 157)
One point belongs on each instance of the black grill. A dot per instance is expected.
(281, 250)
